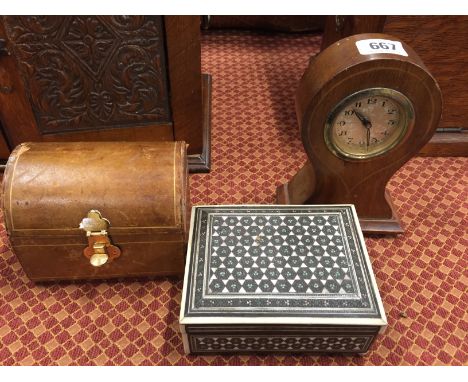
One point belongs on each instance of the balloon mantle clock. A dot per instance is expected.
(365, 106)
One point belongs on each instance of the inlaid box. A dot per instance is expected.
(278, 279)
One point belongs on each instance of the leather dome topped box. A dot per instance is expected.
(266, 279)
(97, 210)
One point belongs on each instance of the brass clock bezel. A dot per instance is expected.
(408, 121)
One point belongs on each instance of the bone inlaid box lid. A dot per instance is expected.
(277, 269)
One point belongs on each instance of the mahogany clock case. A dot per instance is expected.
(440, 41)
(334, 74)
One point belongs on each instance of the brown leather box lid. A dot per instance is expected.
(138, 186)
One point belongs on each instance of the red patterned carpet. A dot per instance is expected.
(422, 275)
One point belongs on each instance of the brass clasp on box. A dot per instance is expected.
(100, 249)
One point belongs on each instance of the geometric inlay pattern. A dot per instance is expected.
(278, 344)
(278, 254)
(278, 261)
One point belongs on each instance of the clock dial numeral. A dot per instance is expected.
(368, 125)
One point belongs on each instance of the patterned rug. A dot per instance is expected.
(422, 275)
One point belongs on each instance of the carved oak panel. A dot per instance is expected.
(92, 72)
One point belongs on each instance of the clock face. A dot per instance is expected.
(368, 123)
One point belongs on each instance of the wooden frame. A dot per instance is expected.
(191, 110)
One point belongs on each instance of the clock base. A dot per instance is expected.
(381, 226)
(376, 226)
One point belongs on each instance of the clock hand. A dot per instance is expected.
(366, 123)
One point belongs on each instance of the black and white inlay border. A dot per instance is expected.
(263, 343)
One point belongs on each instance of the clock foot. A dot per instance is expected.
(300, 190)
(381, 226)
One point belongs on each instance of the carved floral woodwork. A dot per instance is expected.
(91, 72)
